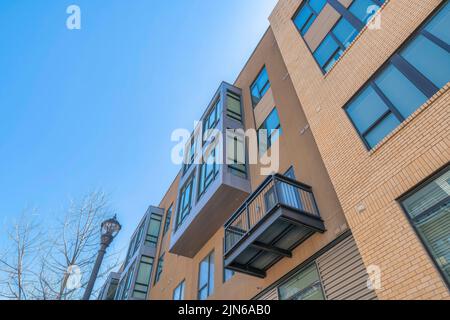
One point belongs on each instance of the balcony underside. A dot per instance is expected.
(194, 234)
(274, 238)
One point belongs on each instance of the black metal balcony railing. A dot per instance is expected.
(275, 192)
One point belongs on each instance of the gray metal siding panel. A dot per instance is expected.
(343, 274)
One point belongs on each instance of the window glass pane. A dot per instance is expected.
(168, 218)
(255, 94)
(211, 274)
(304, 19)
(228, 274)
(317, 5)
(382, 130)
(440, 25)
(154, 227)
(206, 277)
(366, 109)
(178, 293)
(159, 268)
(327, 67)
(304, 286)
(234, 106)
(185, 202)
(262, 81)
(345, 32)
(267, 138)
(326, 50)
(400, 91)
(273, 121)
(363, 9)
(260, 86)
(274, 135)
(203, 294)
(203, 273)
(145, 270)
(429, 210)
(431, 60)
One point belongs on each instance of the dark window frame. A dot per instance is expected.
(168, 219)
(230, 113)
(302, 269)
(313, 15)
(159, 269)
(272, 131)
(207, 180)
(264, 89)
(147, 285)
(152, 240)
(408, 194)
(207, 286)
(181, 285)
(216, 109)
(409, 71)
(234, 167)
(347, 15)
(183, 213)
(190, 153)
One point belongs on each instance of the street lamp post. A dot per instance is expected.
(109, 230)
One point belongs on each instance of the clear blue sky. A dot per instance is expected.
(95, 108)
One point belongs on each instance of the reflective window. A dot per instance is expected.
(309, 11)
(168, 218)
(269, 131)
(236, 156)
(410, 78)
(429, 59)
(190, 153)
(206, 277)
(154, 228)
(334, 44)
(440, 25)
(234, 106)
(428, 208)
(304, 286)
(227, 274)
(208, 171)
(127, 284)
(345, 32)
(401, 92)
(178, 293)
(159, 269)
(260, 86)
(185, 201)
(212, 119)
(143, 278)
(352, 21)
(364, 9)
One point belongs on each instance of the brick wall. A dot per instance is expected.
(373, 179)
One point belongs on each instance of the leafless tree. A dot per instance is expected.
(17, 262)
(70, 246)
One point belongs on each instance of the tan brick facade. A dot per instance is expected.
(356, 189)
(373, 179)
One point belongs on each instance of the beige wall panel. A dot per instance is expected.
(321, 26)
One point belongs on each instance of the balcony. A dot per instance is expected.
(279, 216)
(206, 200)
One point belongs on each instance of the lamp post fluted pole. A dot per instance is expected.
(110, 228)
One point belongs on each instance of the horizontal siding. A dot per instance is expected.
(343, 274)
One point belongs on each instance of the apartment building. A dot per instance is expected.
(355, 96)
